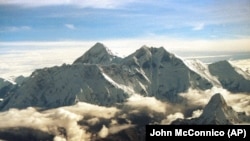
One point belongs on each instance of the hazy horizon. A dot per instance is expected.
(39, 34)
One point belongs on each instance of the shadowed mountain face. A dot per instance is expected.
(99, 77)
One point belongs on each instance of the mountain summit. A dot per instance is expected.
(167, 74)
(98, 54)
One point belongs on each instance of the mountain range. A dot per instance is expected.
(99, 77)
(98, 95)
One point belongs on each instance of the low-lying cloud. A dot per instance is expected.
(240, 102)
(84, 121)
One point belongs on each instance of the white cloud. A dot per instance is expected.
(78, 3)
(244, 64)
(103, 133)
(15, 28)
(239, 101)
(171, 117)
(64, 117)
(138, 101)
(196, 113)
(198, 26)
(70, 26)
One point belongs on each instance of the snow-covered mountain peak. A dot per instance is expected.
(97, 54)
(144, 50)
(99, 47)
(152, 54)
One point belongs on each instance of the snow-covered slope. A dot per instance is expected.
(202, 69)
(65, 85)
(229, 76)
(216, 112)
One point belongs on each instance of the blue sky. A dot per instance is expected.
(58, 20)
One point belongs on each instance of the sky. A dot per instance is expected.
(122, 25)
(57, 20)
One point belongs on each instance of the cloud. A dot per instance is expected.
(103, 133)
(152, 104)
(243, 64)
(84, 121)
(196, 98)
(78, 3)
(59, 120)
(196, 113)
(70, 26)
(171, 117)
(199, 26)
(15, 28)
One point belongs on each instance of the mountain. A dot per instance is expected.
(231, 78)
(166, 74)
(98, 54)
(202, 69)
(65, 85)
(101, 78)
(5, 87)
(216, 112)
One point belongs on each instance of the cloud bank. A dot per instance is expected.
(84, 121)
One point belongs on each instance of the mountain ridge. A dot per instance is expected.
(101, 78)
